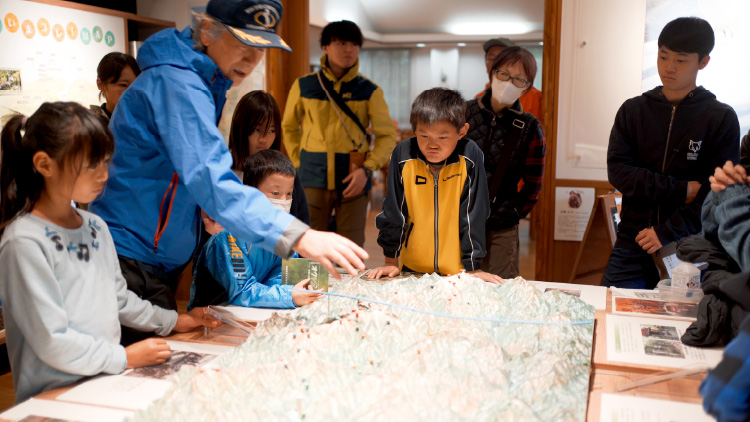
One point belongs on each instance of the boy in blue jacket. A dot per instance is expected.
(663, 147)
(243, 274)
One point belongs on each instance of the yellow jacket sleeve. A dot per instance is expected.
(291, 124)
(382, 128)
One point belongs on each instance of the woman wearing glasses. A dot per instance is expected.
(514, 150)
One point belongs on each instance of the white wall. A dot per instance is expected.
(177, 11)
(472, 72)
(315, 51)
(601, 57)
(420, 72)
(471, 77)
(324, 11)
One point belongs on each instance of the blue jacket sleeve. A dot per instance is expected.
(726, 217)
(187, 125)
(244, 274)
(726, 389)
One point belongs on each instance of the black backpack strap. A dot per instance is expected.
(514, 137)
(328, 87)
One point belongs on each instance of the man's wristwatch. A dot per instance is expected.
(368, 172)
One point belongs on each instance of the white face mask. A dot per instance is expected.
(284, 205)
(505, 92)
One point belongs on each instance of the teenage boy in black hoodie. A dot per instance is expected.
(663, 147)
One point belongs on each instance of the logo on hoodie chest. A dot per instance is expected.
(694, 147)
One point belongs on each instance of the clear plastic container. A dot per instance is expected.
(686, 276)
(667, 292)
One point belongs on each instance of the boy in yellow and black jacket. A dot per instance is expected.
(437, 201)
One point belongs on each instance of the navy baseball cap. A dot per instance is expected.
(253, 22)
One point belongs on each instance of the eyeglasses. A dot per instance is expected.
(505, 76)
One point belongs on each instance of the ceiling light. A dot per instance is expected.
(489, 28)
(420, 45)
(461, 44)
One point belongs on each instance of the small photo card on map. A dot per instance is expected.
(294, 270)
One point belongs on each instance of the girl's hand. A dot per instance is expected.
(304, 298)
(152, 351)
(490, 278)
(197, 317)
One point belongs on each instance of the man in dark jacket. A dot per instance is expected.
(663, 147)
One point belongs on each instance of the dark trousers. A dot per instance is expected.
(631, 270)
(149, 283)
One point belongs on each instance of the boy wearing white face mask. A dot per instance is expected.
(514, 151)
(230, 270)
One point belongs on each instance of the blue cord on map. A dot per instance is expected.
(472, 318)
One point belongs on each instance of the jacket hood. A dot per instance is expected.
(696, 95)
(348, 76)
(174, 48)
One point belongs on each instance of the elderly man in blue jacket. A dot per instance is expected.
(170, 158)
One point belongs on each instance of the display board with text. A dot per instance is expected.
(50, 53)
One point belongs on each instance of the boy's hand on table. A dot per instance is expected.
(648, 240)
(389, 269)
(329, 248)
(728, 175)
(197, 317)
(384, 271)
(304, 298)
(490, 278)
(152, 351)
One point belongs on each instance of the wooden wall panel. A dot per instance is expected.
(554, 258)
(545, 207)
(282, 67)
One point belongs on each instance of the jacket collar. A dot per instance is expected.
(348, 76)
(696, 95)
(485, 104)
(173, 48)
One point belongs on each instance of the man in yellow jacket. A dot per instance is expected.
(324, 127)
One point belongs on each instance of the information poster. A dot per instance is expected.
(50, 53)
(138, 388)
(572, 211)
(654, 342)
